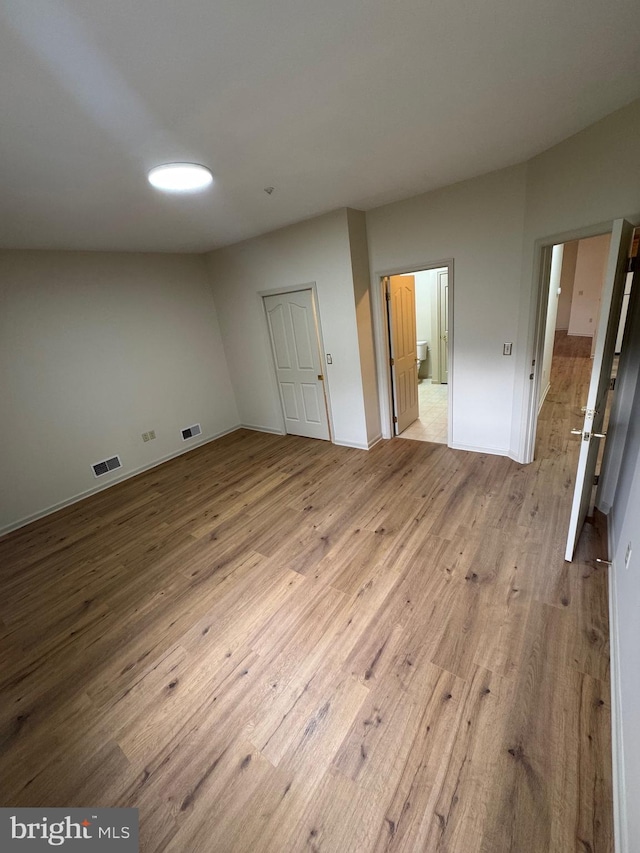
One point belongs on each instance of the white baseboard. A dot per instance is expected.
(126, 475)
(374, 441)
(620, 838)
(492, 451)
(357, 445)
(257, 428)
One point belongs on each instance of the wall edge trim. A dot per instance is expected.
(492, 451)
(258, 428)
(357, 445)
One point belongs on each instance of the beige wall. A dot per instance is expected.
(591, 263)
(94, 350)
(317, 251)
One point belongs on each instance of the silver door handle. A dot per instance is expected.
(587, 435)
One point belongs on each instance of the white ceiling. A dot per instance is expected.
(333, 102)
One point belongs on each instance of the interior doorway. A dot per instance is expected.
(417, 317)
(580, 309)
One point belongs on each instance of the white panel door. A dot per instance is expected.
(293, 329)
(404, 354)
(612, 292)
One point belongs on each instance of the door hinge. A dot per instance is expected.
(395, 420)
(391, 362)
(387, 295)
(596, 479)
(612, 384)
(531, 376)
(321, 377)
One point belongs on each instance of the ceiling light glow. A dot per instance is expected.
(180, 177)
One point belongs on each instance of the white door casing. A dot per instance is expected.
(443, 325)
(293, 330)
(404, 355)
(612, 293)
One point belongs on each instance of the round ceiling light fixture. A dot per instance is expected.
(180, 177)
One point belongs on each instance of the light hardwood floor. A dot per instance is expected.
(276, 644)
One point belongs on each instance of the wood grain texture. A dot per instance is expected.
(273, 644)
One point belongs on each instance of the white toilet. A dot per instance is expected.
(422, 351)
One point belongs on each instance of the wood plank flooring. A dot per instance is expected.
(273, 644)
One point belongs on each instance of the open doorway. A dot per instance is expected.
(574, 278)
(418, 305)
(580, 322)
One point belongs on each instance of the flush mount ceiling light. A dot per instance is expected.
(180, 177)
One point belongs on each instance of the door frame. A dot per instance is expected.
(439, 302)
(540, 299)
(381, 341)
(294, 288)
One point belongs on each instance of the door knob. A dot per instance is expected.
(576, 432)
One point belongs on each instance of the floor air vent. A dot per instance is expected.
(101, 468)
(191, 432)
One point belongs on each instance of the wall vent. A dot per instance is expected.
(107, 465)
(191, 432)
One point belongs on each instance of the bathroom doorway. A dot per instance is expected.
(418, 322)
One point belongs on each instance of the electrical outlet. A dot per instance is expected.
(145, 436)
(506, 349)
(627, 556)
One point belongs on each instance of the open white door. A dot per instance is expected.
(296, 353)
(612, 292)
(404, 355)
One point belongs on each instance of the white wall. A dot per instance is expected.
(479, 224)
(553, 296)
(94, 350)
(317, 250)
(426, 283)
(591, 262)
(569, 258)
